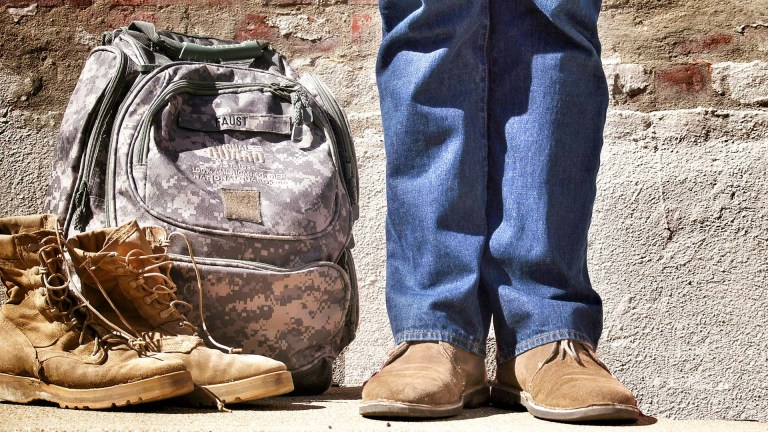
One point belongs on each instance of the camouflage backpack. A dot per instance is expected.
(222, 142)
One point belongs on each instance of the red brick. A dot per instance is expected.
(362, 24)
(691, 78)
(255, 26)
(704, 43)
(80, 3)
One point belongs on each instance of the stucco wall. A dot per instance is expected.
(679, 242)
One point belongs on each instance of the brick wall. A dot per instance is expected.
(663, 55)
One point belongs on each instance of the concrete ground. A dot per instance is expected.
(334, 411)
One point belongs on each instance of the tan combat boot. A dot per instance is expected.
(563, 381)
(52, 349)
(125, 275)
(426, 379)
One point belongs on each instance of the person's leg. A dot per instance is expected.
(432, 83)
(548, 100)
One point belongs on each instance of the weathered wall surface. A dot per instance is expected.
(679, 244)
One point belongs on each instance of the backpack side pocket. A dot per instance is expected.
(77, 177)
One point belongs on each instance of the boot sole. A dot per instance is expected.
(510, 397)
(24, 390)
(386, 408)
(259, 387)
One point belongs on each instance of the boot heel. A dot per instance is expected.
(19, 389)
(507, 398)
(477, 398)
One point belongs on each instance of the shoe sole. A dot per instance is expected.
(250, 389)
(24, 390)
(386, 408)
(506, 396)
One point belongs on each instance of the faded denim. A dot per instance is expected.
(493, 116)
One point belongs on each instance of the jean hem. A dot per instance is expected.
(470, 344)
(543, 339)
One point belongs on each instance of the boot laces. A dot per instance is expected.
(199, 281)
(135, 264)
(568, 348)
(66, 303)
(151, 273)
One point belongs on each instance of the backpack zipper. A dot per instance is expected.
(82, 214)
(254, 265)
(340, 128)
(299, 105)
(291, 92)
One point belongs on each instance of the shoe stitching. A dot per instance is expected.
(455, 366)
(560, 350)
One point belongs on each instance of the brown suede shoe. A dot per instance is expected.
(426, 379)
(563, 381)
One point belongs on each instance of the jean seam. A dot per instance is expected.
(484, 112)
(469, 342)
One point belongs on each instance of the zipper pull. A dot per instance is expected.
(83, 213)
(300, 103)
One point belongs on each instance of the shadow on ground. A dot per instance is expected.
(344, 398)
(353, 394)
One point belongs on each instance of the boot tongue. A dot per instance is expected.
(126, 239)
(129, 238)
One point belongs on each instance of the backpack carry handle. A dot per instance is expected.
(196, 52)
(242, 51)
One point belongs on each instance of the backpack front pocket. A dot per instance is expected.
(235, 158)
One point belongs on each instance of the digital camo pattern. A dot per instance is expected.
(100, 70)
(353, 312)
(142, 53)
(178, 173)
(296, 181)
(294, 317)
(306, 212)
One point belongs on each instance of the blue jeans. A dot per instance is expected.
(493, 114)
